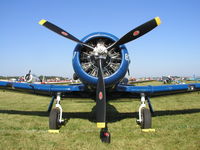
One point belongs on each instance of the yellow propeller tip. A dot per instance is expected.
(158, 21)
(101, 124)
(148, 130)
(41, 22)
(53, 131)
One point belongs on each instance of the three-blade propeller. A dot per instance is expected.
(100, 91)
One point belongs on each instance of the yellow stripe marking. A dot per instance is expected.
(41, 22)
(158, 21)
(148, 130)
(101, 124)
(53, 131)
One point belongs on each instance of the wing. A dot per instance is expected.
(157, 90)
(44, 89)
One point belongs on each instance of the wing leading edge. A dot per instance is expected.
(42, 88)
(148, 90)
(158, 90)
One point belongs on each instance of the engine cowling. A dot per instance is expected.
(114, 67)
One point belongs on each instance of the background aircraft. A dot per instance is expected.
(101, 61)
(32, 78)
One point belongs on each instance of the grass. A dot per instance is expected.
(24, 124)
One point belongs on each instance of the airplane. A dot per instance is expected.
(32, 78)
(166, 79)
(101, 61)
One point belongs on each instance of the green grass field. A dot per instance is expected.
(24, 124)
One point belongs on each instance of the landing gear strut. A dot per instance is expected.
(55, 116)
(144, 113)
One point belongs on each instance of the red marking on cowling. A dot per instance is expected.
(100, 95)
(64, 33)
(135, 33)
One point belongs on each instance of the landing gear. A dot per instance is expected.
(144, 113)
(55, 116)
(146, 118)
(105, 136)
(54, 119)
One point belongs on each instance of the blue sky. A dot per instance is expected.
(173, 48)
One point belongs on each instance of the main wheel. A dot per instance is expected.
(146, 118)
(54, 119)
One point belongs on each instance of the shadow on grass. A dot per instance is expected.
(112, 114)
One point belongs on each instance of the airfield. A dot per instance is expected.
(24, 123)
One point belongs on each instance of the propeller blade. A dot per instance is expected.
(62, 32)
(137, 32)
(100, 98)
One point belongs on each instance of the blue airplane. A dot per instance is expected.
(101, 61)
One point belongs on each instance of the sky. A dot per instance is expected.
(173, 48)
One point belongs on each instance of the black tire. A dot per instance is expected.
(54, 119)
(146, 118)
